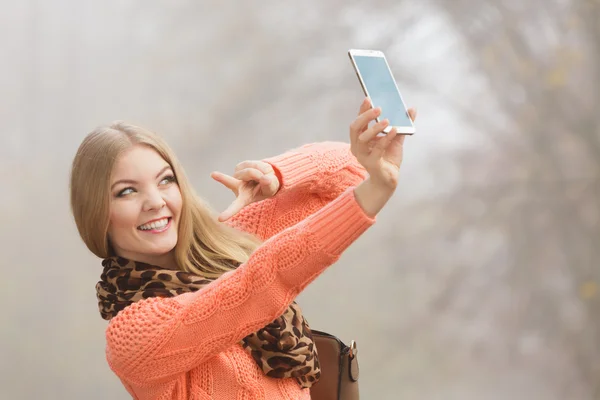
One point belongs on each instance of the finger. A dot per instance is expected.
(268, 184)
(259, 165)
(383, 144)
(366, 104)
(400, 139)
(233, 209)
(360, 124)
(266, 179)
(228, 181)
(248, 174)
(412, 113)
(362, 121)
(373, 131)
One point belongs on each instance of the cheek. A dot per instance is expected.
(174, 200)
(122, 216)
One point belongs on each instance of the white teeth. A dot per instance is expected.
(155, 225)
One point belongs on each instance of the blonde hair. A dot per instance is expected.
(204, 246)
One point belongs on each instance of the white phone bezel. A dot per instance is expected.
(405, 130)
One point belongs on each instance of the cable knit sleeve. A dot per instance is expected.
(156, 340)
(310, 176)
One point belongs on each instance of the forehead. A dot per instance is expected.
(138, 162)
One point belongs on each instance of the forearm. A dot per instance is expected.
(325, 169)
(372, 196)
(310, 177)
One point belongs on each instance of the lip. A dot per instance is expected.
(161, 230)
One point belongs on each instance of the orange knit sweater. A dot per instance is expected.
(187, 347)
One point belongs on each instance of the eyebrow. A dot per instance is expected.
(132, 182)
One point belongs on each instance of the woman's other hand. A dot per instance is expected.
(252, 181)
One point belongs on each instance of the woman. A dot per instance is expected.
(203, 307)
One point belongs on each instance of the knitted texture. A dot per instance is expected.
(187, 347)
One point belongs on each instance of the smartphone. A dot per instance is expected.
(379, 85)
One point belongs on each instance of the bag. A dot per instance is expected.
(339, 369)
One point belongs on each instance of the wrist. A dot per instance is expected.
(384, 181)
(372, 196)
(278, 178)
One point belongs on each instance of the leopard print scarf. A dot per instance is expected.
(282, 349)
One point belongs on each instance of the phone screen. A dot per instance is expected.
(382, 90)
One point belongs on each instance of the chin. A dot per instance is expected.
(164, 251)
(161, 250)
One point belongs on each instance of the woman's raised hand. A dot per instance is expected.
(381, 156)
(252, 181)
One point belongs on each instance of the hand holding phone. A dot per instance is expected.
(380, 156)
(379, 85)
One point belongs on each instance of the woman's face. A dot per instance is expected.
(145, 207)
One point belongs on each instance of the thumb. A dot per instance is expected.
(233, 209)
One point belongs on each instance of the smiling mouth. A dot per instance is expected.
(156, 226)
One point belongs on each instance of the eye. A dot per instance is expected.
(125, 192)
(167, 179)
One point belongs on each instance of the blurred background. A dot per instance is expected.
(480, 279)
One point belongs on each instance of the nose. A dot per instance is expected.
(154, 201)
